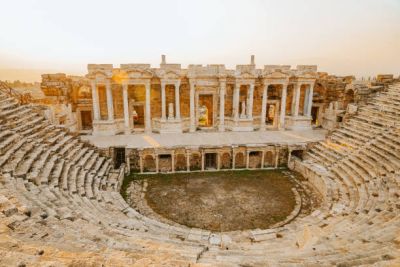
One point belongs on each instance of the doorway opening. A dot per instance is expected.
(138, 116)
(210, 161)
(271, 112)
(205, 109)
(86, 119)
(314, 115)
(119, 157)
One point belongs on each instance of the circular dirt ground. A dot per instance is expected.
(222, 201)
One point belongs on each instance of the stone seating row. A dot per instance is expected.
(64, 189)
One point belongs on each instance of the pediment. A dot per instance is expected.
(308, 75)
(247, 75)
(135, 74)
(276, 75)
(170, 75)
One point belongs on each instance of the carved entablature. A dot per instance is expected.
(209, 71)
(169, 72)
(245, 74)
(276, 68)
(55, 84)
(305, 74)
(276, 74)
(100, 73)
(136, 72)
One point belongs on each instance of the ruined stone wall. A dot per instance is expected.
(103, 102)
(228, 99)
(180, 162)
(185, 100)
(257, 101)
(118, 102)
(155, 105)
(255, 160)
(226, 161)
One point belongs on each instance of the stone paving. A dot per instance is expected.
(206, 139)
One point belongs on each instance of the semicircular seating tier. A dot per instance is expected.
(60, 203)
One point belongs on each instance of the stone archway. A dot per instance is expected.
(226, 162)
(269, 159)
(255, 159)
(240, 161)
(195, 162)
(180, 162)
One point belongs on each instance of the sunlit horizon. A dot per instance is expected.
(360, 38)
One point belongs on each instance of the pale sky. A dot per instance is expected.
(360, 37)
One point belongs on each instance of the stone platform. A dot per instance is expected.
(206, 139)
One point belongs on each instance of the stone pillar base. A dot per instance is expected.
(169, 126)
(106, 127)
(298, 123)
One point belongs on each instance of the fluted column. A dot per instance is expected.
(126, 107)
(95, 101)
(283, 107)
(250, 102)
(222, 89)
(177, 101)
(264, 107)
(310, 98)
(110, 106)
(163, 106)
(297, 99)
(148, 109)
(192, 113)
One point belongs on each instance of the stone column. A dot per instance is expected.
(192, 113)
(128, 164)
(310, 98)
(233, 160)
(157, 163)
(264, 107)
(247, 159)
(289, 155)
(297, 99)
(307, 93)
(221, 126)
(163, 106)
(276, 157)
(250, 102)
(262, 159)
(148, 109)
(218, 161)
(173, 161)
(188, 161)
(141, 162)
(283, 107)
(110, 106)
(126, 107)
(95, 101)
(177, 101)
(236, 92)
(202, 161)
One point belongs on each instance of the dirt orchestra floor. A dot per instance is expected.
(219, 201)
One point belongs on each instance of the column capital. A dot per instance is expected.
(192, 81)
